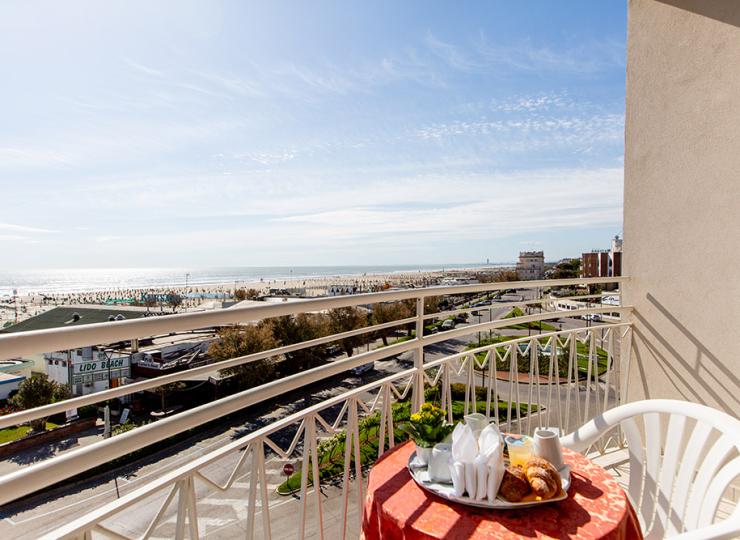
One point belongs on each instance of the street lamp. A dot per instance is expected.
(490, 330)
(106, 412)
(478, 328)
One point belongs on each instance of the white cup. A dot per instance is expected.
(547, 446)
(477, 422)
(439, 468)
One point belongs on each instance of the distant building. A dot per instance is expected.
(595, 264)
(531, 265)
(603, 263)
(88, 369)
(16, 366)
(76, 315)
(9, 384)
(168, 354)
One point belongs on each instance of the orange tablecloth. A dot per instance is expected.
(397, 508)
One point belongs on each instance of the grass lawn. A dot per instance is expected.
(396, 341)
(582, 350)
(516, 312)
(331, 451)
(15, 433)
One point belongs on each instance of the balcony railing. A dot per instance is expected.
(557, 379)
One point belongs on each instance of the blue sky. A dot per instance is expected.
(299, 133)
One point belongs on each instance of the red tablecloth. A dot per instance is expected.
(397, 508)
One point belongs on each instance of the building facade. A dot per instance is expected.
(681, 193)
(602, 262)
(531, 265)
(88, 369)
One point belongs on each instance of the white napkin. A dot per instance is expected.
(462, 466)
(489, 463)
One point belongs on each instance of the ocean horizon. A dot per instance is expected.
(57, 281)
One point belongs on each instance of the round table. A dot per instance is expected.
(397, 508)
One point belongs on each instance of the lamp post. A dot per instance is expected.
(106, 412)
(539, 297)
(479, 329)
(490, 318)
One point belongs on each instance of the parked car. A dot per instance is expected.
(364, 368)
(449, 324)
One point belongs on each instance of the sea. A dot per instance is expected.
(57, 281)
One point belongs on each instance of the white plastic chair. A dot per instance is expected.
(679, 471)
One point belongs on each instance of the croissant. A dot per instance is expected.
(514, 485)
(543, 478)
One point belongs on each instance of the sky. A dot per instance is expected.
(177, 133)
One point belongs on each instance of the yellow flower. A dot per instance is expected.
(416, 417)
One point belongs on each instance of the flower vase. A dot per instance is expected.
(423, 454)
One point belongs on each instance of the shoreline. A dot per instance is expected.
(199, 296)
(52, 291)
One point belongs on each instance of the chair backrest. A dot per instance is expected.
(682, 458)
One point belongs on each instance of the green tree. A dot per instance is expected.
(345, 319)
(506, 275)
(246, 294)
(431, 304)
(174, 300)
(241, 341)
(240, 294)
(568, 268)
(38, 390)
(289, 330)
(150, 300)
(386, 312)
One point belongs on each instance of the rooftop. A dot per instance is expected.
(64, 317)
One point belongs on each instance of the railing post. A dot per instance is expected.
(186, 509)
(418, 393)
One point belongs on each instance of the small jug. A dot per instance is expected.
(547, 446)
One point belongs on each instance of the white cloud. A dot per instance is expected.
(552, 130)
(585, 59)
(472, 206)
(24, 229)
(451, 54)
(141, 68)
(534, 103)
(13, 238)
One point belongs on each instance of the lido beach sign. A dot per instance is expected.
(101, 364)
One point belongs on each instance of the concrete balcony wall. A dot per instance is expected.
(682, 200)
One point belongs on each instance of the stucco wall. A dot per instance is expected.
(682, 200)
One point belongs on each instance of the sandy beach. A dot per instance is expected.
(210, 296)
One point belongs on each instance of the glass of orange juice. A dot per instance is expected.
(521, 448)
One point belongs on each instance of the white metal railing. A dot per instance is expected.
(564, 397)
